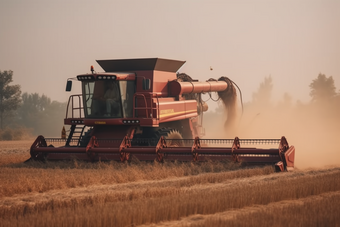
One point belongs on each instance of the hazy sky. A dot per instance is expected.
(45, 42)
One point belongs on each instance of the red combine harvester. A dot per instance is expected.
(142, 108)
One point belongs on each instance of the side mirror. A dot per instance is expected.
(69, 85)
(146, 84)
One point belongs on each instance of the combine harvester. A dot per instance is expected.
(142, 108)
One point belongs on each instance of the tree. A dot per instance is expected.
(322, 88)
(41, 114)
(9, 95)
(33, 109)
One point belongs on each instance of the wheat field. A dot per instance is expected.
(77, 193)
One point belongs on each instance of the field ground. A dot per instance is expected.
(154, 194)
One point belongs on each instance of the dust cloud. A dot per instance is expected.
(312, 128)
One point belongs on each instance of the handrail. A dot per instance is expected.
(147, 109)
(74, 108)
(136, 108)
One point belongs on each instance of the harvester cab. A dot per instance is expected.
(143, 107)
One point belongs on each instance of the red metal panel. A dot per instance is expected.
(141, 75)
(290, 156)
(107, 131)
(60, 149)
(103, 121)
(104, 150)
(214, 150)
(148, 122)
(259, 159)
(177, 110)
(68, 156)
(160, 82)
(256, 151)
(175, 150)
(83, 156)
(119, 76)
(141, 150)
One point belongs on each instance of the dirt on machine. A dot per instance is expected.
(144, 108)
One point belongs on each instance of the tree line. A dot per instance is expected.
(23, 114)
(322, 92)
(262, 117)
